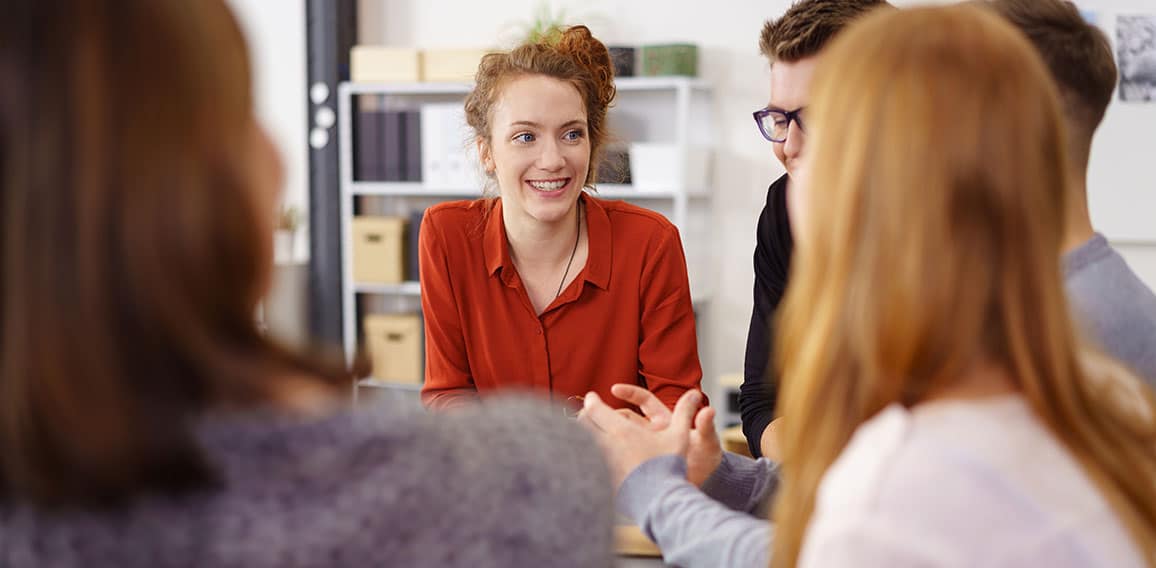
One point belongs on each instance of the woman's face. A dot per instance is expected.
(539, 148)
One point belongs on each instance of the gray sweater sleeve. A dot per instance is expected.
(743, 484)
(690, 527)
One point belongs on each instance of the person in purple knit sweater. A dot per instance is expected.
(144, 419)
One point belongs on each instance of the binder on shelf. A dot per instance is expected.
(395, 350)
(382, 146)
(448, 156)
(413, 272)
(393, 146)
(411, 126)
(367, 163)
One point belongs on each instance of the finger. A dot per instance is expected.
(645, 400)
(584, 419)
(633, 416)
(704, 422)
(601, 415)
(685, 409)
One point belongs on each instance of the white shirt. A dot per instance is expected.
(962, 483)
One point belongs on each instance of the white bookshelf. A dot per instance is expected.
(663, 109)
(371, 382)
(413, 288)
(417, 189)
(622, 84)
(409, 288)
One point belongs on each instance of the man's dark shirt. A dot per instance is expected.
(759, 391)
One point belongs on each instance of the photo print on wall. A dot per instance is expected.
(1136, 49)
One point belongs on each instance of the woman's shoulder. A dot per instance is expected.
(971, 445)
(529, 426)
(457, 223)
(521, 431)
(502, 471)
(382, 484)
(981, 481)
(626, 216)
(449, 213)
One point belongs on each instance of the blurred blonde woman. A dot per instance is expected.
(940, 409)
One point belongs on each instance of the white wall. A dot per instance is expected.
(727, 34)
(276, 33)
(1121, 178)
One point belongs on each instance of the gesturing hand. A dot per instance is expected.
(628, 442)
(704, 451)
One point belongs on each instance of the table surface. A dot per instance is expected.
(638, 562)
(642, 552)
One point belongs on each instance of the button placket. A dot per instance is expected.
(544, 350)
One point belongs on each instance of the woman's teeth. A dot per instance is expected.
(548, 185)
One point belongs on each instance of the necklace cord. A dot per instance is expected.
(577, 237)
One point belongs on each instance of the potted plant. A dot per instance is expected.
(288, 223)
(546, 25)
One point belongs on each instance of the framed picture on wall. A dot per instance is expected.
(1136, 49)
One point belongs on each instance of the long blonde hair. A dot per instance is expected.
(937, 193)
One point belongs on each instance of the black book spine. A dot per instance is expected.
(394, 142)
(411, 249)
(367, 156)
(412, 128)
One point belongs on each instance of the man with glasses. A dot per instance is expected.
(793, 45)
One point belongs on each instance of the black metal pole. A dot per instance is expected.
(332, 30)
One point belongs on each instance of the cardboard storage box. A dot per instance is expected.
(451, 65)
(380, 64)
(378, 249)
(671, 59)
(394, 343)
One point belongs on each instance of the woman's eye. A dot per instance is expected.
(524, 138)
(573, 135)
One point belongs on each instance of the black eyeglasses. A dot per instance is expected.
(774, 123)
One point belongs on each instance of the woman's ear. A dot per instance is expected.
(486, 155)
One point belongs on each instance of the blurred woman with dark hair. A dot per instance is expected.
(144, 420)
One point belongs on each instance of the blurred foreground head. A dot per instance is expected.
(137, 206)
(929, 238)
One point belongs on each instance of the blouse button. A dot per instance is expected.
(538, 331)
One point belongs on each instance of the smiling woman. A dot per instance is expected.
(542, 286)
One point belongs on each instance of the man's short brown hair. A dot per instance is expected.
(1077, 54)
(806, 27)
